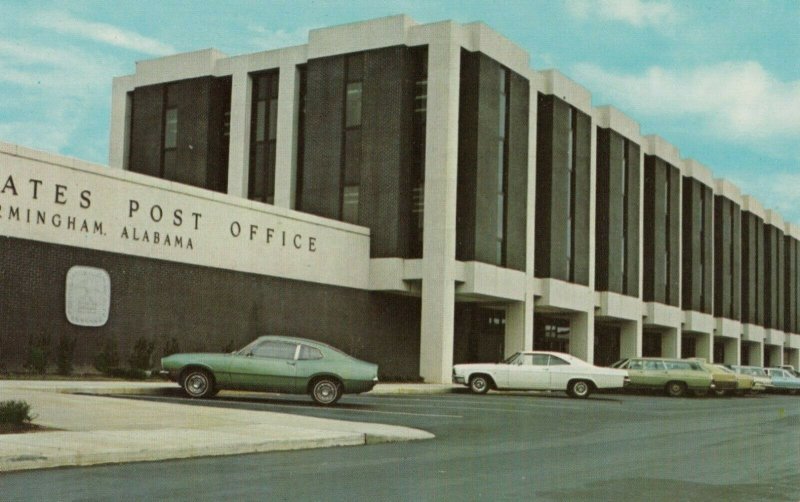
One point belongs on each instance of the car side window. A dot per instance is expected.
(557, 361)
(635, 365)
(309, 353)
(275, 350)
(653, 365)
(539, 359)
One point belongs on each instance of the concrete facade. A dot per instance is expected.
(492, 196)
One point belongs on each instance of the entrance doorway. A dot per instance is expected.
(551, 333)
(651, 343)
(688, 346)
(606, 344)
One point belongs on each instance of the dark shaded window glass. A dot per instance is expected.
(353, 105)
(263, 126)
(171, 128)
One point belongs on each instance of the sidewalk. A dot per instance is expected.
(96, 430)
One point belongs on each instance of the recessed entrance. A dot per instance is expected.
(551, 333)
(606, 344)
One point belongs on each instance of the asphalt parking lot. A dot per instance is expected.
(518, 446)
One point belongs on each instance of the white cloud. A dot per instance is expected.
(264, 39)
(779, 191)
(733, 100)
(638, 13)
(62, 22)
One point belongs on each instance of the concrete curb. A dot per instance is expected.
(103, 430)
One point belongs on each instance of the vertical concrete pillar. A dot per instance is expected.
(733, 348)
(671, 343)
(793, 359)
(756, 351)
(775, 354)
(630, 339)
(286, 139)
(439, 241)
(704, 346)
(239, 155)
(519, 326)
(581, 336)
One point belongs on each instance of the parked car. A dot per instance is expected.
(761, 381)
(535, 370)
(783, 381)
(725, 380)
(791, 369)
(744, 383)
(674, 376)
(274, 364)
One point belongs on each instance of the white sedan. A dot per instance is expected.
(534, 370)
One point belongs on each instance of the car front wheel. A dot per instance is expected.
(326, 391)
(479, 384)
(198, 384)
(579, 388)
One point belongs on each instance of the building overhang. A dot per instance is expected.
(727, 328)
(659, 315)
(561, 296)
(697, 322)
(617, 307)
(774, 337)
(752, 333)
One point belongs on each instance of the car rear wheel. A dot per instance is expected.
(579, 388)
(326, 391)
(479, 384)
(198, 383)
(676, 389)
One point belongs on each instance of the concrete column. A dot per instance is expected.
(239, 154)
(630, 339)
(756, 351)
(733, 347)
(519, 326)
(671, 343)
(793, 359)
(286, 140)
(439, 243)
(704, 346)
(581, 336)
(775, 354)
(119, 138)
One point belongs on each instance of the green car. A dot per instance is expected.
(274, 364)
(674, 376)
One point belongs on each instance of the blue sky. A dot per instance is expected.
(718, 79)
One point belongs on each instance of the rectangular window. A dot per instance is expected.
(624, 232)
(571, 186)
(351, 138)
(667, 235)
(419, 75)
(502, 167)
(171, 128)
(353, 105)
(350, 204)
(263, 135)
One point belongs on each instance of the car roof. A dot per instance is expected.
(297, 339)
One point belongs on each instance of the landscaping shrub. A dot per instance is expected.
(141, 354)
(15, 412)
(171, 347)
(65, 355)
(108, 357)
(38, 354)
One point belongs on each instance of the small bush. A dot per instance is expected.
(15, 412)
(171, 346)
(65, 355)
(108, 357)
(141, 354)
(38, 354)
